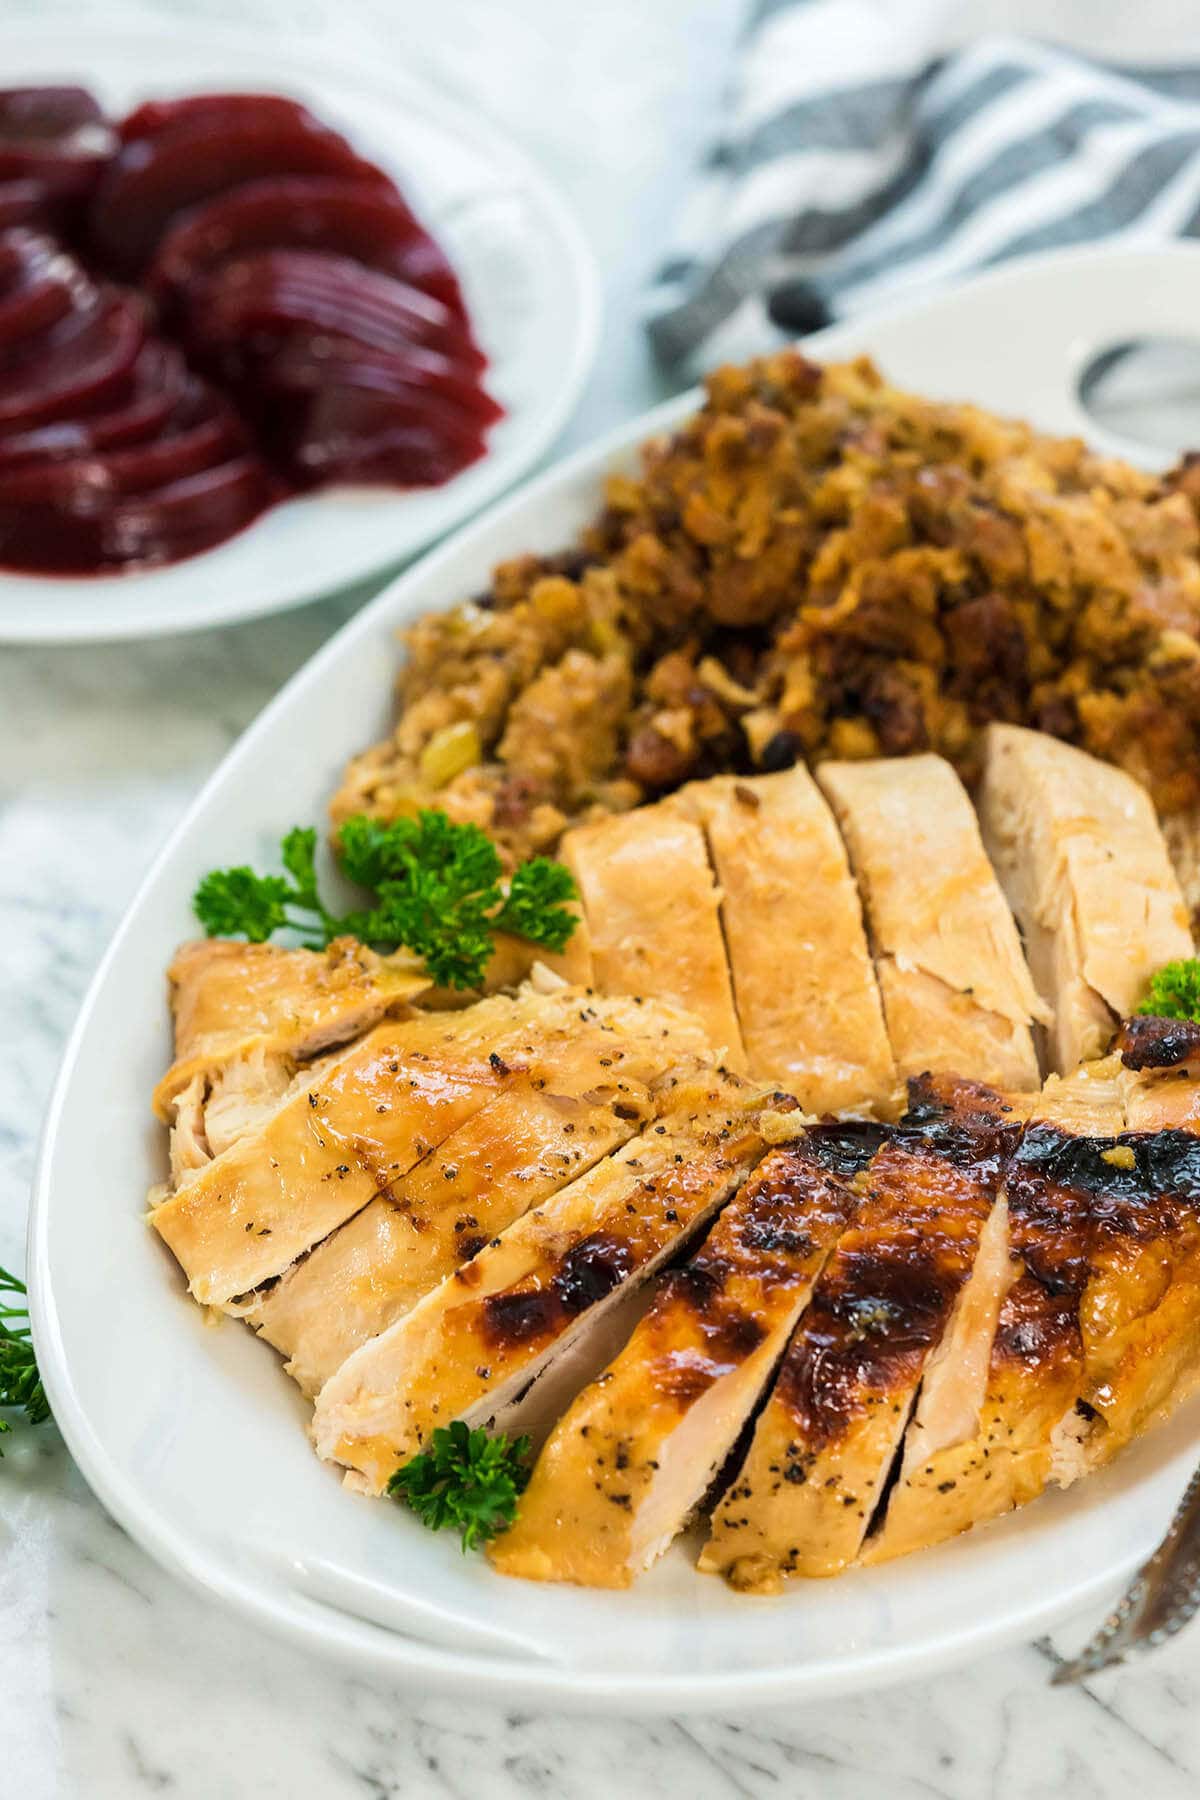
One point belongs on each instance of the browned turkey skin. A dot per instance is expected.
(815, 1473)
(670, 1224)
(881, 1332)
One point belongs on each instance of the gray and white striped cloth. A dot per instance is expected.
(854, 165)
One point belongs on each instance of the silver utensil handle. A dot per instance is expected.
(1160, 1600)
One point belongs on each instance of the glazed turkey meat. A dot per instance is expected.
(230, 999)
(817, 1198)
(356, 1130)
(249, 1017)
(480, 1346)
(582, 1096)
(1095, 1334)
(823, 1446)
(637, 1452)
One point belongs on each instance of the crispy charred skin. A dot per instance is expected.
(1141, 1314)
(945, 1101)
(1052, 1209)
(1096, 1333)
(641, 1445)
(1159, 1063)
(1031, 1382)
(1147, 1042)
(823, 1446)
(1139, 1305)
(474, 1345)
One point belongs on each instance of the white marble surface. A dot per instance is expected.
(116, 1681)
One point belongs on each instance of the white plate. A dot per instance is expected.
(195, 1439)
(528, 277)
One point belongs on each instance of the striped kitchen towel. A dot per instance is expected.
(855, 166)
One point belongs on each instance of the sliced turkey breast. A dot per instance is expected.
(231, 999)
(513, 1154)
(243, 1094)
(957, 993)
(824, 1443)
(652, 912)
(358, 1126)
(1182, 832)
(996, 1449)
(1081, 858)
(479, 1346)
(189, 1146)
(1139, 1314)
(807, 999)
(637, 1452)
(589, 1092)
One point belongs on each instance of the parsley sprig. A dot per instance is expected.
(1173, 992)
(438, 892)
(466, 1481)
(20, 1383)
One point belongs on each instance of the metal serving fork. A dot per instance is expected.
(1159, 1601)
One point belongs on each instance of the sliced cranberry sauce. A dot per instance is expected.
(204, 308)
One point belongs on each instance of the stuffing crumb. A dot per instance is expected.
(814, 564)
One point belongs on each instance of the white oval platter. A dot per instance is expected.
(193, 1437)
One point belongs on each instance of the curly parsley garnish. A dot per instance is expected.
(20, 1383)
(438, 892)
(466, 1481)
(1174, 991)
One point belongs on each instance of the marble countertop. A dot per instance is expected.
(114, 1679)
